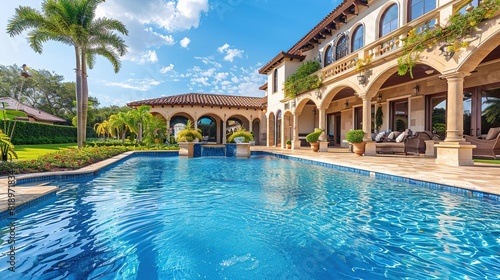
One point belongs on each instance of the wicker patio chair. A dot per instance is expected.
(416, 143)
(488, 147)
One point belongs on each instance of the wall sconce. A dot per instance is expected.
(415, 90)
(444, 51)
(429, 71)
(361, 78)
(314, 111)
(346, 103)
(379, 97)
(293, 103)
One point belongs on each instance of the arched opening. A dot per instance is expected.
(358, 38)
(328, 56)
(208, 127)
(271, 123)
(342, 48)
(256, 131)
(389, 20)
(177, 123)
(277, 136)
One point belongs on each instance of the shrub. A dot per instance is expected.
(314, 136)
(289, 142)
(241, 133)
(302, 80)
(355, 136)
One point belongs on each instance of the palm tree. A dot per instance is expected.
(139, 117)
(119, 125)
(492, 112)
(72, 22)
(102, 128)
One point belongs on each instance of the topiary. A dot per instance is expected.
(355, 136)
(314, 136)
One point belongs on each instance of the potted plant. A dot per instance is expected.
(288, 144)
(355, 137)
(313, 137)
(242, 138)
(186, 139)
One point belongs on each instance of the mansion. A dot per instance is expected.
(358, 45)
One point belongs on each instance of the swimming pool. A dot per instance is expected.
(257, 218)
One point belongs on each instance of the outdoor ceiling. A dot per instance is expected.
(418, 73)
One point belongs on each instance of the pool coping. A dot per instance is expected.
(26, 198)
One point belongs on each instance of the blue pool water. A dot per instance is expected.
(257, 218)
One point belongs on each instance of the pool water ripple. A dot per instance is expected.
(262, 218)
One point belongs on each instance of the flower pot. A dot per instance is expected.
(288, 146)
(315, 146)
(359, 148)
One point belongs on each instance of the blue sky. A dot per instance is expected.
(179, 46)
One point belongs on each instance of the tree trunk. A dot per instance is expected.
(79, 124)
(85, 96)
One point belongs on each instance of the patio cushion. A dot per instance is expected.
(401, 137)
(492, 133)
(380, 136)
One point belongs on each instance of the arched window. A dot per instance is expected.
(328, 55)
(358, 38)
(275, 80)
(389, 20)
(342, 48)
(418, 8)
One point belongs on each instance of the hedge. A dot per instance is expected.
(39, 133)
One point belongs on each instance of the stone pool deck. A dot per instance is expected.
(481, 177)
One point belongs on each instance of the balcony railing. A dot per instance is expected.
(380, 49)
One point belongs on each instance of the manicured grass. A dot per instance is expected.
(495, 161)
(28, 152)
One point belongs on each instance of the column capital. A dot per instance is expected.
(454, 75)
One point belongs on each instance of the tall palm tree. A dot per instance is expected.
(72, 22)
(102, 128)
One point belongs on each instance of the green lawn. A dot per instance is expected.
(27, 152)
(495, 161)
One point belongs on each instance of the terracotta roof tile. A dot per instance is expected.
(40, 115)
(204, 99)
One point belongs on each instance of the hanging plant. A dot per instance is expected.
(302, 80)
(455, 35)
(378, 118)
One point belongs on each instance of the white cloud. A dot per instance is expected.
(185, 42)
(135, 84)
(168, 39)
(171, 15)
(230, 53)
(167, 68)
(221, 76)
(223, 48)
(208, 73)
(200, 81)
(209, 60)
(149, 56)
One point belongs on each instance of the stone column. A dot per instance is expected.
(296, 140)
(167, 120)
(323, 141)
(367, 118)
(250, 124)
(224, 124)
(454, 150)
(455, 107)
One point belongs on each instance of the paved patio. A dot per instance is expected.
(480, 177)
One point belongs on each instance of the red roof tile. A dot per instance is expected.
(39, 115)
(205, 99)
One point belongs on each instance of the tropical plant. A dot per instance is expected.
(302, 80)
(314, 136)
(241, 132)
(355, 136)
(492, 112)
(378, 118)
(102, 128)
(155, 129)
(455, 35)
(6, 147)
(73, 23)
(189, 134)
(119, 125)
(139, 118)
